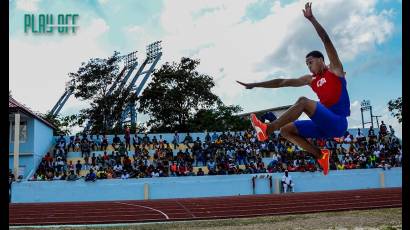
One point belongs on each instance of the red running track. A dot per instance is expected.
(109, 212)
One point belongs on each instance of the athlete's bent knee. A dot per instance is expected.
(302, 100)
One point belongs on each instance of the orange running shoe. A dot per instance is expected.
(259, 127)
(324, 161)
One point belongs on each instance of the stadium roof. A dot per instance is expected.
(15, 106)
(276, 109)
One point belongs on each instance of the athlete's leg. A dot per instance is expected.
(303, 104)
(290, 132)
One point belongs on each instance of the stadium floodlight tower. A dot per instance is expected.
(130, 63)
(154, 53)
(63, 99)
(365, 106)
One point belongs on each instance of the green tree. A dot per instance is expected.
(62, 124)
(177, 91)
(92, 82)
(221, 118)
(395, 107)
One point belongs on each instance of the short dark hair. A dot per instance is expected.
(316, 54)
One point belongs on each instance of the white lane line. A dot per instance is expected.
(136, 205)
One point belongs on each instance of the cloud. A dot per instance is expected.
(27, 5)
(103, 2)
(378, 64)
(39, 65)
(220, 34)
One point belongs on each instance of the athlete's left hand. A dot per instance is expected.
(247, 85)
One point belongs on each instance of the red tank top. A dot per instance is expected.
(328, 87)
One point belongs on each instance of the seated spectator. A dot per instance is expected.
(118, 169)
(127, 138)
(49, 175)
(200, 172)
(71, 144)
(383, 129)
(86, 162)
(101, 174)
(125, 175)
(362, 161)
(190, 172)
(371, 135)
(145, 140)
(340, 166)
(122, 150)
(91, 176)
(208, 138)
(78, 167)
(61, 144)
(92, 143)
(175, 140)
(260, 167)
(248, 169)
(155, 173)
(57, 176)
(350, 165)
(348, 138)
(104, 143)
(49, 159)
(110, 173)
(85, 148)
(98, 142)
(154, 140)
(384, 165)
(360, 137)
(211, 165)
(85, 138)
(70, 166)
(64, 176)
(174, 169)
(127, 163)
(116, 141)
(77, 143)
(291, 167)
(72, 176)
(182, 170)
(40, 176)
(135, 141)
(94, 167)
(287, 182)
(188, 139)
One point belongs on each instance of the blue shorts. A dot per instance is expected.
(323, 124)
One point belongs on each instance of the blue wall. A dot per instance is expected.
(39, 141)
(43, 140)
(206, 186)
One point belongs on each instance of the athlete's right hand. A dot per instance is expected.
(247, 85)
(307, 12)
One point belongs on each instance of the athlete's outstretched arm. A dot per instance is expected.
(335, 63)
(278, 83)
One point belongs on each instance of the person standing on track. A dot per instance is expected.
(328, 116)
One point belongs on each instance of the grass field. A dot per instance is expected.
(386, 219)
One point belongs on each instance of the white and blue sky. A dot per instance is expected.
(247, 40)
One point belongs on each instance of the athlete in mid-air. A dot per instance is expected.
(328, 116)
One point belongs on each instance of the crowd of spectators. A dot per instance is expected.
(219, 154)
